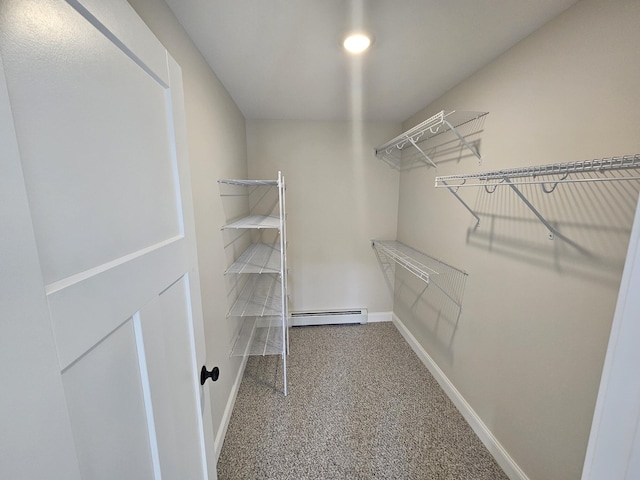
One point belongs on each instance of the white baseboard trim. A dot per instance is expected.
(508, 464)
(228, 409)
(375, 317)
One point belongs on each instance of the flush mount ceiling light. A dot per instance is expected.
(357, 42)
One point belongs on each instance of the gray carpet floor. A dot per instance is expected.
(360, 405)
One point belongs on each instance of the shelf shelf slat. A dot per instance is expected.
(259, 336)
(248, 183)
(255, 221)
(257, 258)
(260, 297)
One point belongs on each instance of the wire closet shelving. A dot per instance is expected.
(439, 124)
(447, 278)
(262, 302)
(547, 176)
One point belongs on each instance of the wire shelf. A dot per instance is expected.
(405, 257)
(255, 221)
(562, 170)
(259, 336)
(248, 183)
(261, 296)
(548, 177)
(257, 258)
(440, 123)
(447, 278)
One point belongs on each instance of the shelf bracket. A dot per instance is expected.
(454, 192)
(461, 138)
(421, 151)
(553, 232)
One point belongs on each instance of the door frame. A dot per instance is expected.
(613, 451)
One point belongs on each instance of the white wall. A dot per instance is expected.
(217, 149)
(528, 349)
(339, 198)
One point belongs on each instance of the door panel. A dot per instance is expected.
(98, 189)
(116, 21)
(84, 312)
(28, 359)
(107, 409)
(166, 333)
(99, 129)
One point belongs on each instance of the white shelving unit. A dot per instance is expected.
(447, 278)
(261, 304)
(423, 137)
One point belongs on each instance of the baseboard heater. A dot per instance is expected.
(328, 317)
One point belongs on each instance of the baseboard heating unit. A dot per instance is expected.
(328, 317)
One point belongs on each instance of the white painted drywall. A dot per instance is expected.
(528, 350)
(339, 198)
(217, 149)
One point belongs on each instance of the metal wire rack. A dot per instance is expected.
(259, 336)
(255, 221)
(547, 176)
(257, 258)
(260, 297)
(248, 183)
(447, 278)
(261, 305)
(440, 123)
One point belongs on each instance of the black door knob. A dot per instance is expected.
(213, 374)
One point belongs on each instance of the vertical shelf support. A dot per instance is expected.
(283, 280)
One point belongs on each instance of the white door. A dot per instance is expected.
(613, 451)
(100, 327)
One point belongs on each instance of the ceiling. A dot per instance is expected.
(282, 59)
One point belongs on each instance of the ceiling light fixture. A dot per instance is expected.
(357, 42)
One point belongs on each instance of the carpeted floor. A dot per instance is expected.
(360, 405)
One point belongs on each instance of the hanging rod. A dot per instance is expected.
(442, 122)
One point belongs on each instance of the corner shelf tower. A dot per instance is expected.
(262, 304)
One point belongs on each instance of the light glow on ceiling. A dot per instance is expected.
(357, 43)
